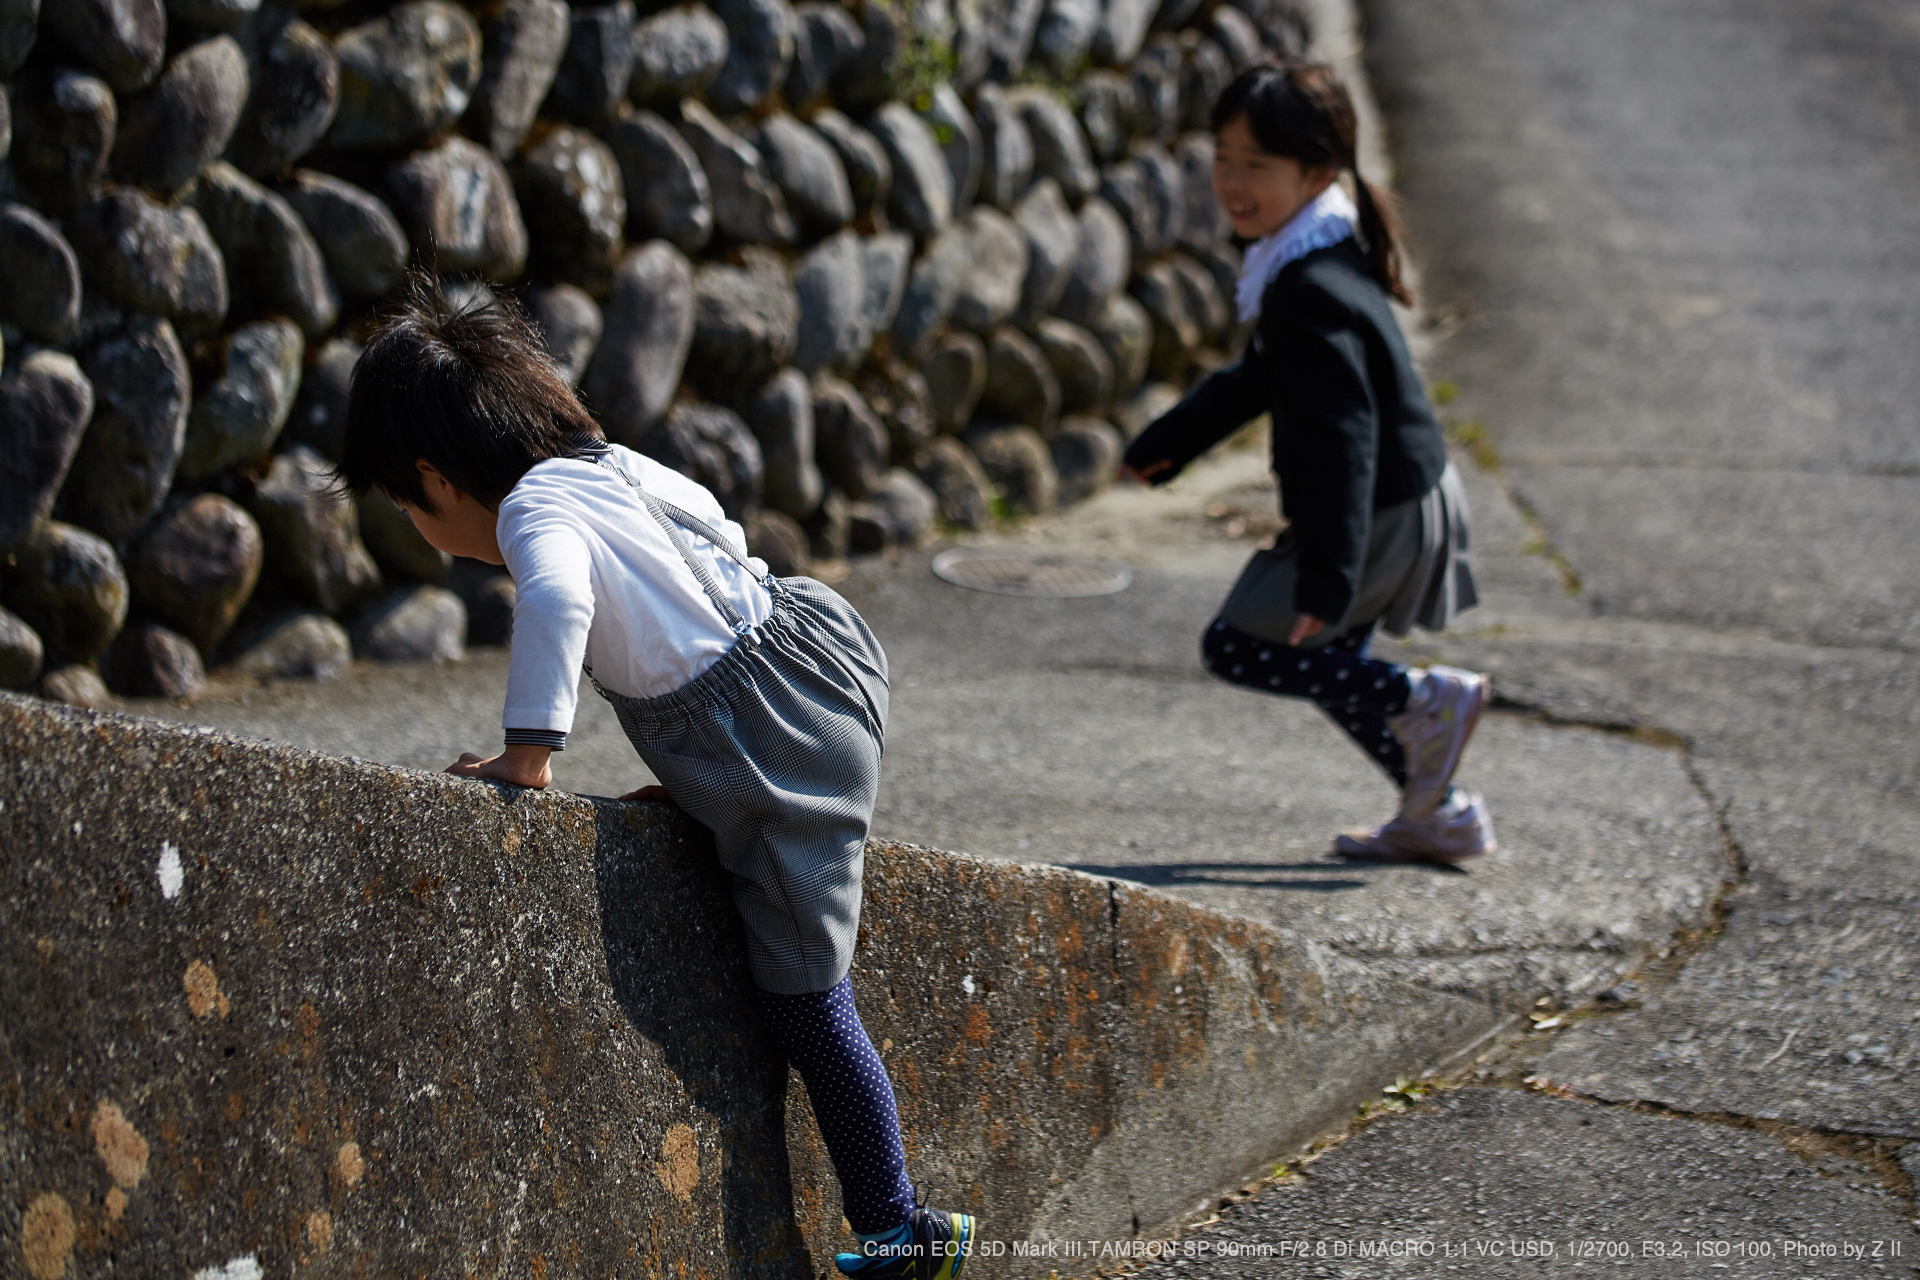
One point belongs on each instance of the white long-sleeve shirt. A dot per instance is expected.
(596, 578)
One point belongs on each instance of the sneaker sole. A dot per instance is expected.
(1361, 847)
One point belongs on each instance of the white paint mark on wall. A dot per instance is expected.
(246, 1268)
(172, 874)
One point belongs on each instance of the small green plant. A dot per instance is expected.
(1445, 392)
(924, 65)
(1472, 435)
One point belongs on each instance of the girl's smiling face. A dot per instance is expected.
(1260, 192)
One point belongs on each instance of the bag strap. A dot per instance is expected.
(671, 518)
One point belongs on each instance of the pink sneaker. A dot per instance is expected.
(1452, 832)
(1435, 733)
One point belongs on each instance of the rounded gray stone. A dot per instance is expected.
(405, 75)
(575, 206)
(760, 39)
(778, 539)
(1236, 35)
(167, 133)
(827, 39)
(668, 196)
(1079, 362)
(1148, 191)
(295, 89)
(1059, 148)
(311, 537)
(676, 54)
(363, 244)
(239, 416)
(1006, 164)
(594, 71)
(215, 15)
(826, 529)
(649, 317)
(1086, 456)
(1176, 333)
(303, 646)
(42, 294)
(1126, 331)
(44, 407)
(570, 324)
(524, 41)
(394, 542)
(884, 261)
(920, 197)
(413, 624)
(21, 653)
(1107, 114)
(960, 142)
(1020, 385)
(1211, 311)
(457, 204)
(1020, 466)
(1155, 75)
(319, 417)
(745, 328)
(76, 686)
(67, 585)
(956, 374)
(1203, 77)
(273, 265)
(123, 41)
(781, 419)
(899, 513)
(145, 256)
(1053, 245)
(19, 22)
(959, 485)
(1121, 30)
(1065, 33)
(809, 174)
(1203, 224)
(831, 286)
(196, 566)
(938, 276)
(149, 661)
(869, 171)
(990, 292)
(851, 442)
(1101, 264)
(141, 390)
(747, 204)
(489, 596)
(898, 393)
(62, 138)
(712, 446)
(863, 83)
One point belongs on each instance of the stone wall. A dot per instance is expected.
(268, 1011)
(857, 268)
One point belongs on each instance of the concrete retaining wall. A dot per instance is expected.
(353, 1020)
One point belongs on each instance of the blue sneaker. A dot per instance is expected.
(936, 1248)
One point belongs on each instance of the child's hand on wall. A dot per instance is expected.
(522, 765)
(654, 792)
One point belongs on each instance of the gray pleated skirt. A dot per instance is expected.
(776, 748)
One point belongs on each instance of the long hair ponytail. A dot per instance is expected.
(1301, 111)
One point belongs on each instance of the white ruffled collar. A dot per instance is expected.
(1327, 220)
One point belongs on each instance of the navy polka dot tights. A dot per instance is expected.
(821, 1034)
(1357, 692)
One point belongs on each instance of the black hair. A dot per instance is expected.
(1301, 111)
(470, 388)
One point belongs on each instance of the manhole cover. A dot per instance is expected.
(1022, 573)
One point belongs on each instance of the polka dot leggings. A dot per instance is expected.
(1356, 691)
(822, 1036)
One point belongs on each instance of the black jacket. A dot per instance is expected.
(1352, 430)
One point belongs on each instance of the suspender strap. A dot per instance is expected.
(671, 518)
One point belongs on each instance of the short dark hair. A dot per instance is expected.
(470, 388)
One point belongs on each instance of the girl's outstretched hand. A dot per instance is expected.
(1305, 626)
(522, 765)
(654, 792)
(1146, 474)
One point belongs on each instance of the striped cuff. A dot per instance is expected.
(551, 739)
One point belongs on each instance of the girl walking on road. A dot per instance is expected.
(1377, 521)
